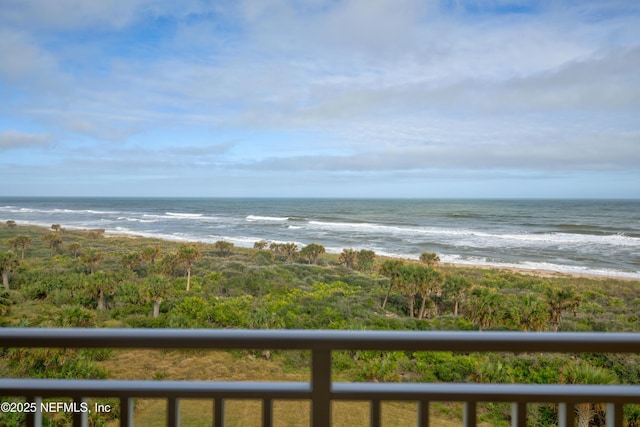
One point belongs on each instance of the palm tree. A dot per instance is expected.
(155, 289)
(559, 299)
(408, 285)
(275, 248)
(532, 312)
(130, 260)
(102, 284)
(348, 257)
(429, 258)
(151, 253)
(485, 307)
(260, 245)
(53, 240)
(290, 249)
(457, 288)
(92, 257)
(74, 248)
(8, 263)
(311, 252)
(391, 268)
(366, 259)
(584, 373)
(169, 265)
(429, 281)
(21, 242)
(187, 254)
(224, 247)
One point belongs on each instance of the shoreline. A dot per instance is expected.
(533, 271)
(537, 272)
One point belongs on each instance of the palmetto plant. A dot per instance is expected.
(312, 251)
(429, 258)
(20, 242)
(584, 373)
(187, 255)
(560, 299)
(348, 258)
(289, 249)
(8, 262)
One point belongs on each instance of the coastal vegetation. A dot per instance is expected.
(83, 278)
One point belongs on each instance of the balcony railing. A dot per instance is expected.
(321, 390)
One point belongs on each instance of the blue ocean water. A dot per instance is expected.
(574, 236)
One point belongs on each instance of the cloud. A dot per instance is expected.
(15, 139)
(206, 150)
(589, 153)
(71, 15)
(348, 87)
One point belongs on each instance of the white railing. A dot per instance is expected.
(321, 390)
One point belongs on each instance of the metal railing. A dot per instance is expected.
(321, 390)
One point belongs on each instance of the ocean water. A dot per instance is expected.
(573, 236)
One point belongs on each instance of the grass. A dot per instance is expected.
(246, 366)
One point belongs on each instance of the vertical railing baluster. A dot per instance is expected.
(173, 412)
(375, 413)
(518, 414)
(423, 413)
(267, 412)
(80, 418)
(321, 388)
(566, 415)
(615, 412)
(126, 412)
(34, 419)
(469, 414)
(218, 412)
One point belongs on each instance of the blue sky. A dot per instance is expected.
(320, 98)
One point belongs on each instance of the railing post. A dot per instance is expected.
(267, 412)
(375, 413)
(321, 388)
(566, 415)
(518, 414)
(80, 418)
(173, 412)
(423, 413)
(34, 419)
(126, 412)
(218, 412)
(469, 414)
(615, 412)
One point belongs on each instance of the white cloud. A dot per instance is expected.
(15, 139)
(365, 85)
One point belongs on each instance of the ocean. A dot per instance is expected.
(600, 237)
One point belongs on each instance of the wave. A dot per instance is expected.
(14, 209)
(540, 266)
(254, 218)
(144, 221)
(183, 215)
(482, 238)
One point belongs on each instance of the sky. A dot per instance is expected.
(320, 98)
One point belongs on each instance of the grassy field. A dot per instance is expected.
(225, 366)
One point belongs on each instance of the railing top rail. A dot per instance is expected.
(488, 392)
(146, 388)
(322, 340)
(340, 391)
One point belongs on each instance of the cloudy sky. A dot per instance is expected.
(320, 98)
